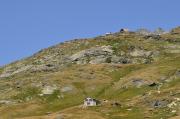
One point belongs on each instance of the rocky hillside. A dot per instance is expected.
(130, 73)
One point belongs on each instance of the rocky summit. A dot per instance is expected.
(125, 75)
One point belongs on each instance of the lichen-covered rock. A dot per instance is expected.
(141, 53)
(7, 102)
(47, 90)
(159, 103)
(115, 59)
(66, 89)
(138, 82)
(9, 71)
(93, 55)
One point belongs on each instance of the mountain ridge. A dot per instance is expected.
(139, 71)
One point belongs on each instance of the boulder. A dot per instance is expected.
(66, 89)
(141, 53)
(172, 104)
(137, 82)
(116, 59)
(47, 90)
(153, 84)
(159, 103)
(98, 60)
(94, 55)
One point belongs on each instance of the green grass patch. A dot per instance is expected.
(30, 92)
(106, 92)
(117, 75)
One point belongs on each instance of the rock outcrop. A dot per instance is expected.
(93, 55)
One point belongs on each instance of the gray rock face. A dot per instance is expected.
(95, 55)
(9, 71)
(4, 75)
(98, 60)
(141, 53)
(104, 54)
(115, 59)
(92, 55)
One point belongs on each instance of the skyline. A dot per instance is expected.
(29, 26)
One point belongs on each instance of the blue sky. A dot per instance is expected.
(26, 26)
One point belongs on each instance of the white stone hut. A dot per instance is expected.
(90, 102)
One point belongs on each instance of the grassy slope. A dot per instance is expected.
(107, 82)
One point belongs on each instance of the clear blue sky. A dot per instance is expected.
(26, 26)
